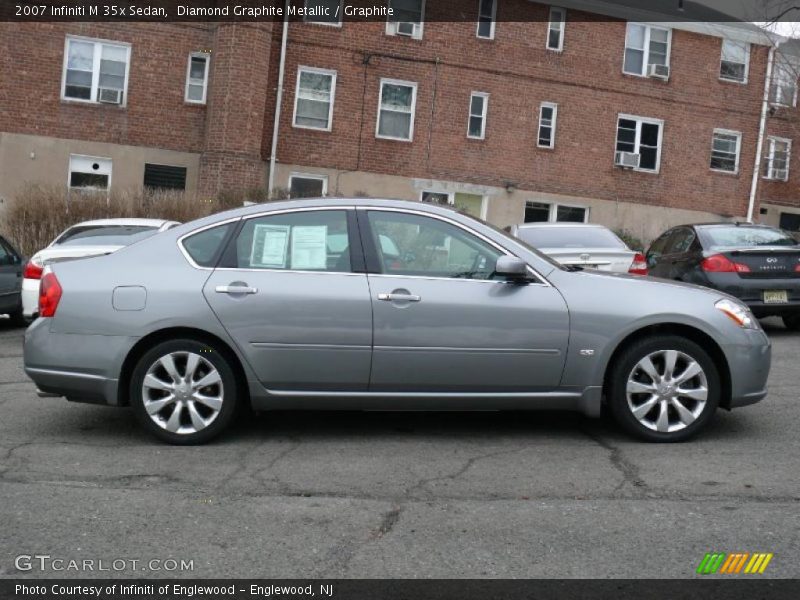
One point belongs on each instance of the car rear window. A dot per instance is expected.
(569, 237)
(105, 235)
(738, 236)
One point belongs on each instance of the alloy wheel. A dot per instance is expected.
(667, 391)
(182, 392)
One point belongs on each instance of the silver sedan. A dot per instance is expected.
(378, 304)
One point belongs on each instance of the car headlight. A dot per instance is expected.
(737, 313)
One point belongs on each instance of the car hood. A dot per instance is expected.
(655, 282)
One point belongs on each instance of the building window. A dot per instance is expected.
(478, 105)
(547, 125)
(555, 29)
(641, 136)
(436, 197)
(305, 185)
(89, 173)
(407, 18)
(789, 221)
(777, 166)
(95, 71)
(725, 147)
(544, 212)
(313, 98)
(783, 89)
(487, 10)
(164, 177)
(735, 61)
(327, 12)
(645, 45)
(396, 111)
(197, 78)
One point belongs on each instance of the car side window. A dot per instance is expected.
(416, 245)
(657, 247)
(296, 241)
(5, 256)
(680, 241)
(204, 246)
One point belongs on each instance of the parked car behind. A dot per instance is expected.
(255, 305)
(89, 238)
(758, 264)
(582, 245)
(10, 281)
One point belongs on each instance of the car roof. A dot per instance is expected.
(731, 224)
(560, 225)
(124, 222)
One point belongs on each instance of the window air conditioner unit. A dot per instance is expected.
(658, 71)
(110, 96)
(404, 28)
(626, 160)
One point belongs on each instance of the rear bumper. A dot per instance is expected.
(751, 292)
(83, 368)
(749, 365)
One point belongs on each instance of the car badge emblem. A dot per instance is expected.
(586, 256)
(772, 260)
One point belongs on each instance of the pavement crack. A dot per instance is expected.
(388, 521)
(629, 470)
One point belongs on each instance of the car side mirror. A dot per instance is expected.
(512, 268)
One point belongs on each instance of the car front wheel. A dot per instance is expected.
(664, 389)
(184, 391)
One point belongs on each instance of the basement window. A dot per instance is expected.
(304, 185)
(89, 173)
(95, 71)
(164, 177)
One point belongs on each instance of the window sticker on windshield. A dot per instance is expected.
(309, 250)
(270, 243)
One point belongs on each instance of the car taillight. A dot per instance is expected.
(33, 270)
(797, 268)
(639, 265)
(719, 263)
(49, 295)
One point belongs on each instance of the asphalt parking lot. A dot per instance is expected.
(398, 495)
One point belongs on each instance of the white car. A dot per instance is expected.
(585, 245)
(90, 238)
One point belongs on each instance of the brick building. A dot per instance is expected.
(524, 112)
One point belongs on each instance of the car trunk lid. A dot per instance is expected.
(603, 259)
(767, 262)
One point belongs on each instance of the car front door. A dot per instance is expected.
(656, 265)
(444, 323)
(289, 291)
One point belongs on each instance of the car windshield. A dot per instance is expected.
(738, 236)
(105, 235)
(570, 237)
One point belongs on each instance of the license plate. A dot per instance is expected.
(775, 296)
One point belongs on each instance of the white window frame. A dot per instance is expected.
(337, 23)
(332, 73)
(207, 57)
(491, 25)
(562, 21)
(637, 143)
(483, 114)
(554, 122)
(738, 135)
(781, 62)
(646, 57)
(746, 62)
(95, 69)
(391, 26)
(413, 86)
(552, 214)
(773, 140)
(315, 176)
(451, 197)
(70, 170)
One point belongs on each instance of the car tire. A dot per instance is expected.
(184, 391)
(663, 389)
(792, 322)
(18, 319)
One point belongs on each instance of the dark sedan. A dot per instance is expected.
(10, 281)
(758, 264)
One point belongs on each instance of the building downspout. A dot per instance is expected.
(762, 126)
(278, 100)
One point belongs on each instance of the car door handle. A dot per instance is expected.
(399, 297)
(235, 289)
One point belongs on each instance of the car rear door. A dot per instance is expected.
(292, 292)
(443, 324)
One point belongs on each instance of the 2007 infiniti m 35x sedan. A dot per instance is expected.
(381, 305)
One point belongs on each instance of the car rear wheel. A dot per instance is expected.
(792, 322)
(184, 391)
(664, 389)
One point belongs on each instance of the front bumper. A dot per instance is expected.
(749, 365)
(83, 368)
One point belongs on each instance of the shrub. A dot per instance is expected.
(38, 213)
(633, 242)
